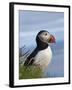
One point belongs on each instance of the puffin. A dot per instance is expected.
(42, 54)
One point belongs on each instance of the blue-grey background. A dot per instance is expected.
(31, 22)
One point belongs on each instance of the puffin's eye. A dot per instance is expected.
(45, 34)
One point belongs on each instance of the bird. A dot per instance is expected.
(42, 54)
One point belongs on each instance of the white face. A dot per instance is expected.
(45, 37)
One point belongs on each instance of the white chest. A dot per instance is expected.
(43, 57)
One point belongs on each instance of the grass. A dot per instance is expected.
(29, 72)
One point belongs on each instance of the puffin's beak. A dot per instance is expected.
(52, 39)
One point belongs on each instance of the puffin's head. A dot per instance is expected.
(45, 37)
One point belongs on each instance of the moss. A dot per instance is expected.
(29, 72)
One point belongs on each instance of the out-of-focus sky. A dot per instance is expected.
(31, 22)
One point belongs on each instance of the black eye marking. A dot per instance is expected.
(45, 34)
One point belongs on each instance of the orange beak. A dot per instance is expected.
(52, 39)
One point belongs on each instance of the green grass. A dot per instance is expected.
(29, 72)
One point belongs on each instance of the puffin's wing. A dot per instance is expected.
(29, 61)
(30, 58)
